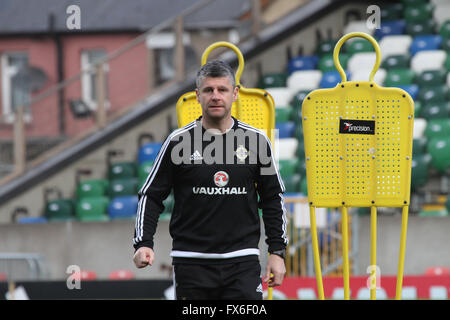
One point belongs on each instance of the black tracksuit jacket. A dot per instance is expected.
(219, 181)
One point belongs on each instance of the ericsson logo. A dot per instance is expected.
(221, 179)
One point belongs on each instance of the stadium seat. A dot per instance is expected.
(148, 152)
(123, 207)
(304, 186)
(325, 48)
(433, 94)
(395, 45)
(431, 78)
(419, 170)
(409, 293)
(122, 170)
(419, 127)
(441, 13)
(292, 183)
(447, 63)
(92, 209)
(281, 96)
(121, 274)
(32, 220)
(287, 148)
(304, 80)
(439, 149)
(412, 89)
(357, 26)
(419, 146)
(446, 44)
(418, 12)
(143, 171)
(338, 294)
(420, 28)
(437, 128)
(283, 114)
(363, 75)
(306, 294)
(288, 167)
(123, 187)
(297, 100)
(326, 62)
(85, 275)
(417, 108)
(364, 60)
(92, 188)
(301, 149)
(272, 80)
(358, 46)
(437, 271)
(436, 110)
(389, 28)
(302, 63)
(396, 77)
(391, 11)
(444, 29)
(60, 209)
(331, 78)
(395, 62)
(438, 293)
(428, 60)
(425, 43)
(3, 277)
(285, 129)
(364, 294)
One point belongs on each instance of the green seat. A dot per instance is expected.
(420, 28)
(419, 170)
(92, 209)
(301, 149)
(296, 102)
(446, 45)
(359, 45)
(60, 209)
(436, 110)
(325, 47)
(396, 62)
(292, 183)
(431, 78)
(438, 212)
(413, 2)
(304, 186)
(437, 128)
(122, 170)
(391, 11)
(92, 188)
(398, 77)
(419, 145)
(433, 94)
(419, 12)
(439, 149)
(123, 187)
(326, 62)
(447, 63)
(283, 114)
(143, 171)
(288, 167)
(272, 80)
(444, 30)
(417, 108)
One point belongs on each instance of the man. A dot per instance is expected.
(217, 167)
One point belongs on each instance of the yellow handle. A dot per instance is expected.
(338, 46)
(232, 47)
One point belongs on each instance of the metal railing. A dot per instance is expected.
(22, 266)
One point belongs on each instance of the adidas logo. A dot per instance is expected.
(259, 288)
(196, 156)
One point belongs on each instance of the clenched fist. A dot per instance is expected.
(143, 257)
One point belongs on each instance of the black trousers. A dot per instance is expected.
(231, 281)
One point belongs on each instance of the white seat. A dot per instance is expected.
(306, 294)
(357, 26)
(438, 2)
(286, 148)
(420, 125)
(361, 60)
(409, 293)
(428, 60)
(304, 80)
(364, 294)
(363, 75)
(281, 96)
(395, 45)
(441, 13)
(438, 293)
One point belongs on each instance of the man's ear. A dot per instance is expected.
(197, 93)
(235, 93)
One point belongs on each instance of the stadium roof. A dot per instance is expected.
(32, 17)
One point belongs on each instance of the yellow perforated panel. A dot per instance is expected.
(357, 169)
(253, 106)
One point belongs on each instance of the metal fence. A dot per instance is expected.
(22, 266)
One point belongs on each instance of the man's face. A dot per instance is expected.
(216, 96)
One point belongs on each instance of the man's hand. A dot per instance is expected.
(275, 266)
(143, 257)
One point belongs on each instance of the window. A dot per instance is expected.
(89, 88)
(15, 88)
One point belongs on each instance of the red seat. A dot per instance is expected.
(3, 276)
(437, 271)
(85, 275)
(121, 275)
